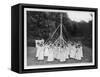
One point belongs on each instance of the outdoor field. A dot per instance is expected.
(32, 60)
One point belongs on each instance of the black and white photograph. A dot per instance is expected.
(49, 38)
(58, 38)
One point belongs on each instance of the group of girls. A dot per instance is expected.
(57, 52)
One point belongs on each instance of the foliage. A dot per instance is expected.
(42, 25)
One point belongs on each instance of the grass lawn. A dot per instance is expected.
(32, 60)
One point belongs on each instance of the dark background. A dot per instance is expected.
(42, 25)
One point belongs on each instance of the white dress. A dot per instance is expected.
(37, 51)
(58, 55)
(55, 52)
(79, 53)
(73, 51)
(50, 55)
(46, 50)
(41, 53)
(62, 55)
(67, 51)
(69, 48)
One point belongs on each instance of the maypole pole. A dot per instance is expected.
(62, 41)
(60, 25)
(61, 36)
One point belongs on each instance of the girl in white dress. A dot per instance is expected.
(50, 54)
(46, 50)
(73, 51)
(38, 49)
(41, 52)
(55, 52)
(79, 53)
(58, 53)
(62, 54)
(67, 52)
(69, 48)
(81, 50)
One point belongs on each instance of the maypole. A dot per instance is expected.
(60, 39)
(61, 26)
